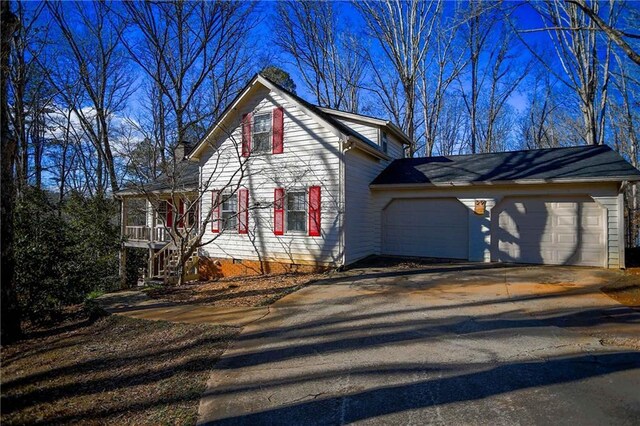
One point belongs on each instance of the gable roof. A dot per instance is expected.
(314, 111)
(574, 164)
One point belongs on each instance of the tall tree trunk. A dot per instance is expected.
(10, 312)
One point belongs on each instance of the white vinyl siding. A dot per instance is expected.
(395, 149)
(361, 214)
(369, 131)
(311, 157)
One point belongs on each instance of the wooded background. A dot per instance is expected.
(97, 95)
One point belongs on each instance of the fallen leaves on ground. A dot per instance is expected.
(117, 370)
(627, 289)
(239, 291)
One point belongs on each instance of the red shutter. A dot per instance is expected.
(278, 130)
(181, 213)
(246, 134)
(243, 211)
(278, 211)
(215, 211)
(314, 211)
(169, 214)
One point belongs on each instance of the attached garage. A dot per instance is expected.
(549, 230)
(436, 227)
(558, 206)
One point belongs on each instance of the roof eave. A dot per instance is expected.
(371, 120)
(502, 182)
(365, 147)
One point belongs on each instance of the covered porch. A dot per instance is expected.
(161, 223)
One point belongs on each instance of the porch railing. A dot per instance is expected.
(137, 233)
(145, 233)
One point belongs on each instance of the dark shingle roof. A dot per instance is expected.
(590, 163)
(184, 177)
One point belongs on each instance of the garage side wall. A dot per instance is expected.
(615, 228)
(606, 194)
(360, 214)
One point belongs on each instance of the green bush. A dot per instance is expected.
(63, 254)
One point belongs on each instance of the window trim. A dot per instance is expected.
(269, 143)
(384, 142)
(304, 191)
(223, 222)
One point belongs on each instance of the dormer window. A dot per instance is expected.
(385, 142)
(262, 133)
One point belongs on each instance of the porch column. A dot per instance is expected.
(479, 227)
(123, 249)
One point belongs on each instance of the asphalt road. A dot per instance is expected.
(444, 344)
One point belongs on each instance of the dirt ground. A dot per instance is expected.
(627, 289)
(116, 370)
(238, 291)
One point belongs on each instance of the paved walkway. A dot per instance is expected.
(137, 304)
(446, 344)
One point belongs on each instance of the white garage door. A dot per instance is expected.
(559, 231)
(426, 228)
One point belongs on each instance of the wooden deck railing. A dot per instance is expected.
(137, 233)
(144, 233)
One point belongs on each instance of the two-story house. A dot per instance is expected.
(285, 185)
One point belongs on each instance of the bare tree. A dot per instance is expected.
(404, 31)
(194, 58)
(28, 92)
(326, 54)
(96, 60)
(10, 322)
(624, 39)
(584, 58)
(442, 66)
(493, 75)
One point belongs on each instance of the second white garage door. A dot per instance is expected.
(557, 231)
(436, 227)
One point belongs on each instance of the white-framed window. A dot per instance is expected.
(229, 211)
(162, 214)
(262, 132)
(296, 208)
(191, 213)
(385, 142)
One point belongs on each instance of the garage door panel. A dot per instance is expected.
(426, 228)
(539, 230)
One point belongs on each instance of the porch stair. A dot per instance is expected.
(166, 261)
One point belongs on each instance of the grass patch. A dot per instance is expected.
(116, 370)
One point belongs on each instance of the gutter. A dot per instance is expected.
(383, 186)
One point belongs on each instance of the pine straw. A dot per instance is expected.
(116, 370)
(239, 291)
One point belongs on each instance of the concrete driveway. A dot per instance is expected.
(446, 343)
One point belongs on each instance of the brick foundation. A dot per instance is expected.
(212, 268)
